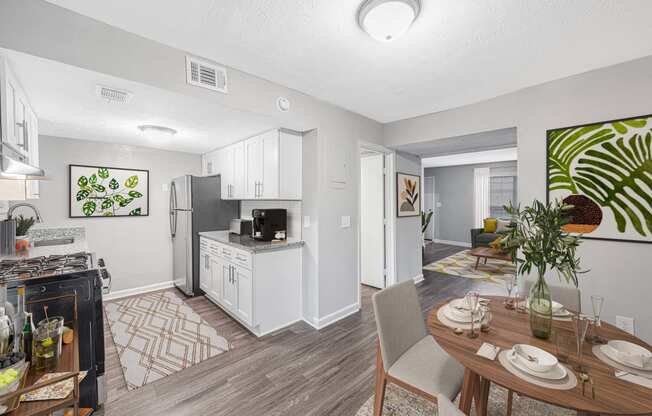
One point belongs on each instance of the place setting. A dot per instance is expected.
(537, 367)
(470, 313)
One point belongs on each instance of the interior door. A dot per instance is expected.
(429, 204)
(372, 224)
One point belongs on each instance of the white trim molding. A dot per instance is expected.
(138, 290)
(320, 323)
(453, 243)
(418, 279)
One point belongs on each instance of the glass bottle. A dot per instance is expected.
(28, 336)
(540, 309)
(6, 333)
(19, 319)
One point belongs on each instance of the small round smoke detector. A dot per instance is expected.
(283, 104)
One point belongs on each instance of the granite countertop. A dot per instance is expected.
(50, 233)
(248, 243)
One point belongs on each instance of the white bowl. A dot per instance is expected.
(629, 354)
(542, 361)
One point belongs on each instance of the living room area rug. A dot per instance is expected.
(462, 264)
(400, 402)
(158, 334)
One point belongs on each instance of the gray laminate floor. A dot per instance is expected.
(296, 371)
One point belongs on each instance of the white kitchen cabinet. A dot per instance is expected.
(261, 290)
(267, 166)
(205, 275)
(33, 187)
(243, 279)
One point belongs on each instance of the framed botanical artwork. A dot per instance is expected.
(604, 170)
(408, 200)
(100, 191)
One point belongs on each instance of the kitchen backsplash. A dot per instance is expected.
(293, 208)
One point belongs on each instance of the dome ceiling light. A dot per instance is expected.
(386, 20)
(153, 132)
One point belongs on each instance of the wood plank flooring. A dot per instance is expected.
(296, 371)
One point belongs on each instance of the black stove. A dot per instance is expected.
(45, 266)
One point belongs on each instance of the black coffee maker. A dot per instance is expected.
(269, 224)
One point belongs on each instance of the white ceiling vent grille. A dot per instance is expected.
(113, 95)
(205, 74)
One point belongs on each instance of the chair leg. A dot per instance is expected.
(381, 384)
(510, 401)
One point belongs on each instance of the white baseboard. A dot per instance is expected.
(320, 323)
(418, 279)
(138, 290)
(453, 243)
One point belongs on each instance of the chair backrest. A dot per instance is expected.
(567, 295)
(446, 408)
(399, 320)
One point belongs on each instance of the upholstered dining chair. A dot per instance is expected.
(447, 408)
(407, 355)
(567, 295)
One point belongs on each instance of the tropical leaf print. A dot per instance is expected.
(100, 196)
(611, 164)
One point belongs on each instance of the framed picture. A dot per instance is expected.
(99, 191)
(408, 199)
(604, 170)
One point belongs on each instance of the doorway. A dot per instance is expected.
(429, 205)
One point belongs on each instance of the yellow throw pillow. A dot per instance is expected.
(490, 225)
(496, 243)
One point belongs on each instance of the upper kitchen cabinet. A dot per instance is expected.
(266, 166)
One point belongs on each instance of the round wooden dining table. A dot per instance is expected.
(613, 396)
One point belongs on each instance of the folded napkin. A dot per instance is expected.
(488, 351)
(634, 360)
(633, 378)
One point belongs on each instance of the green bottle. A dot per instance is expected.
(28, 335)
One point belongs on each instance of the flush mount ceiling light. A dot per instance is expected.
(385, 20)
(153, 132)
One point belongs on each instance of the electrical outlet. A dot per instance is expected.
(625, 323)
(306, 221)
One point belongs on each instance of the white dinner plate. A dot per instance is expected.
(617, 350)
(557, 308)
(559, 372)
(456, 316)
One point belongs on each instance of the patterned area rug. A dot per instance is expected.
(462, 264)
(157, 334)
(400, 402)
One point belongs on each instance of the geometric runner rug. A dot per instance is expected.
(157, 334)
(462, 264)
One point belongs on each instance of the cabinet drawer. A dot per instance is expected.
(233, 255)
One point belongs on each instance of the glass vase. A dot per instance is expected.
(540, 305)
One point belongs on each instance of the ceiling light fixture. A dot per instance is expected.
(386, 20)
(153, 132)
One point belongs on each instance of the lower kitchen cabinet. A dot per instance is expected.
(261, 290)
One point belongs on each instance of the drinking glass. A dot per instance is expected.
(485, 319)
(581, 325)
(563, 344)
(472, 299)
(597, 302)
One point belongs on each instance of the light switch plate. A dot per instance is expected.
(625, 323)
(306, 221)
(438, 205)
(165, 187)
(346, 221)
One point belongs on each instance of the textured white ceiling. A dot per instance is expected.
(66, 104)
(456, 53)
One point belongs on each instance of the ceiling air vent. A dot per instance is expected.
(205, 74)
(113, 95)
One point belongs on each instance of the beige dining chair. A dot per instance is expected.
(567, 295)
(447, 408)
(407, 355)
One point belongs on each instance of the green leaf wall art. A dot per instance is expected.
(605, 171)
(100, 191)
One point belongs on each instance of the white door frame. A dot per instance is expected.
(390, 213)
(434, 202)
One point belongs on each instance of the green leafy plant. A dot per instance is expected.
(426, 217)
(536, 240)
(613, 170)
(103, 196)
(23, 225)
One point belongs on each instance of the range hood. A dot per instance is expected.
(13, 167)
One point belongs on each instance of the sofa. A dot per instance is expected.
(481, 239)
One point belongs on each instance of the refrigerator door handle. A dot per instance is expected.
(173, 207)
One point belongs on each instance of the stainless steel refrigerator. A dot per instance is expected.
(195, 206)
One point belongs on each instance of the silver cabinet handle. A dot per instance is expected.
(206, 261)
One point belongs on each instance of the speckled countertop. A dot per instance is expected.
(39, 233)
(248, 243)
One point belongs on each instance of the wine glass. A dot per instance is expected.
(580, 325)
(510, 284)
(597, 302)
(472, 299)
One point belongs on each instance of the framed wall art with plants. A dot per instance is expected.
(408, 202)
(604, 170)
(99, 191)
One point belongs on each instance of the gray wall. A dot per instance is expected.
(617, 269)
(454, 190)
(43, 29)
(137, 250)
(408, 229)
